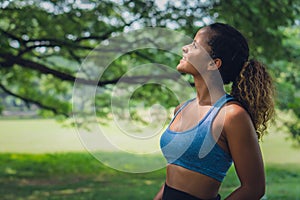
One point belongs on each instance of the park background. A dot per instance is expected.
(42, 46)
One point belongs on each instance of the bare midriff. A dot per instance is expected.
(191, 182)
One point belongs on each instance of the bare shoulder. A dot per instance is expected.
(235, 111)
(237, 120)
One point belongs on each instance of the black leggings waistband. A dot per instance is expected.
(174, 194)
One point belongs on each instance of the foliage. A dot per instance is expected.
(42, 44)
(287, 79)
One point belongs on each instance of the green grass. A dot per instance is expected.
(80, 176)
(41, 160)
(71, 176)
(282, 182)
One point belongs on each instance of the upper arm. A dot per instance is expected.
(244, 147)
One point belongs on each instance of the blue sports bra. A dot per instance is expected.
(196, 149)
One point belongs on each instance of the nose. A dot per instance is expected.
(185, 49)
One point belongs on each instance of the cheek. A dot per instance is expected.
(198, 59)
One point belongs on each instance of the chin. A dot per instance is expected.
(178, 67)
(183, 68)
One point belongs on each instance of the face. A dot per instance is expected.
(196, 58)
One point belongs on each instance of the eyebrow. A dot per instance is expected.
(194, 41)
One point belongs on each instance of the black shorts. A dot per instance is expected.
(174, 194)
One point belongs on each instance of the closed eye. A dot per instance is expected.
(194, 44)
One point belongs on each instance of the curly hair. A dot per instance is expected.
(254, 89)
(251, 83)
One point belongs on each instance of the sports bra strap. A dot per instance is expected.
(219, 104)
(214, 109)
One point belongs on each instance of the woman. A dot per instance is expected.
(214, 129)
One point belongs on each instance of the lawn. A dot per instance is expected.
(31, 170)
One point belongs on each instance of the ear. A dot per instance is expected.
(215, 64)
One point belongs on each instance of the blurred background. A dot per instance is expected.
(42, 47)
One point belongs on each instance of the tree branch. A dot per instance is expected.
(12, 36)
(67, 77)
(28, 100)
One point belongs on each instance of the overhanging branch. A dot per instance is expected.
(28, 100)
(67, 77)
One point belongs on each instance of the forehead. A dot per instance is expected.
(202, 36)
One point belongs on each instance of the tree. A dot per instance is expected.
(44, 42)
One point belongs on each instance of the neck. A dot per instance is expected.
(208, 90)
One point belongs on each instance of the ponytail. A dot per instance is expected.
(252, 85)
(253, 88)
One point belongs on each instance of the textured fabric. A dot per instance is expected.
(196, 149)
(174, 194)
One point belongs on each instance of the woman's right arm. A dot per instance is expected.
(160, 193)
